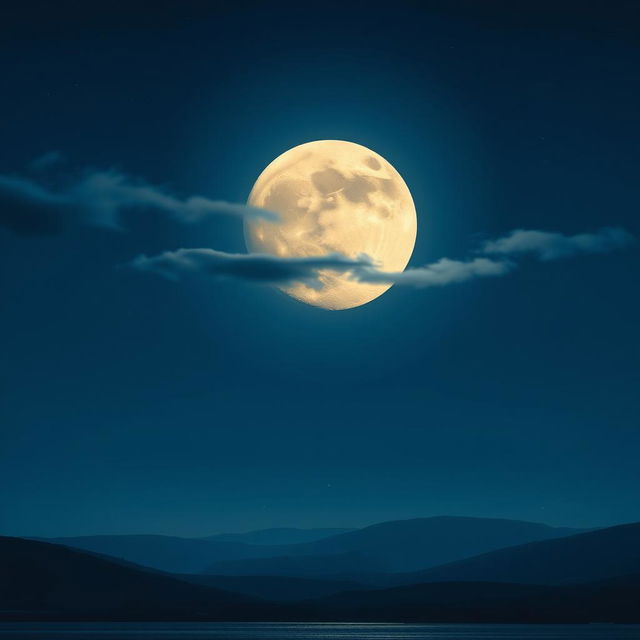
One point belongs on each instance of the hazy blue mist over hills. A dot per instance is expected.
(401, 545)
(422, 542)
(280, 535)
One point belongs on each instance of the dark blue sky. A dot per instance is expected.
(131, 404)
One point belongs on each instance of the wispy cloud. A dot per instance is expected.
(498, 261)
(438, 274)
(253, 267)
(547, 245)
(100, 198)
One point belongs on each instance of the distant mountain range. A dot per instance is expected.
(401, 545)
(587, 577)
(406, 545)
(282, 535)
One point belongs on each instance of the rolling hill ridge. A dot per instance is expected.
(595, 555)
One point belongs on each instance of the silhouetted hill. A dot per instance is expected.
(280, 588)
(481, 602)
(627, 580)
(167, 553)
(42, 580)
(50, 582)
(347, 564)
(406, 545)
(282, 535)
(586, 557)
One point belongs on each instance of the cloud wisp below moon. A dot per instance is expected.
(252, 267)
(274, 270)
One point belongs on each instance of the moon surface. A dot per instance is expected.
(334, 196)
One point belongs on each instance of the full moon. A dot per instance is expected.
(334, 197)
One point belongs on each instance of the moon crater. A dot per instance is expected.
(334, 196)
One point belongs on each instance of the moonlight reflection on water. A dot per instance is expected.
(312, 631)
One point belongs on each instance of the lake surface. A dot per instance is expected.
(306, 631)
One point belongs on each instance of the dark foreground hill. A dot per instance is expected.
(41, 580)
(278, 588)
(483, 602)
(586, 557)
(406, 545)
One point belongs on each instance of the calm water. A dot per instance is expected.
(303, 631)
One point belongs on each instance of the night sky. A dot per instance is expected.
(132, 404)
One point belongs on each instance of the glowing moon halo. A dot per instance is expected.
(334, 196)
